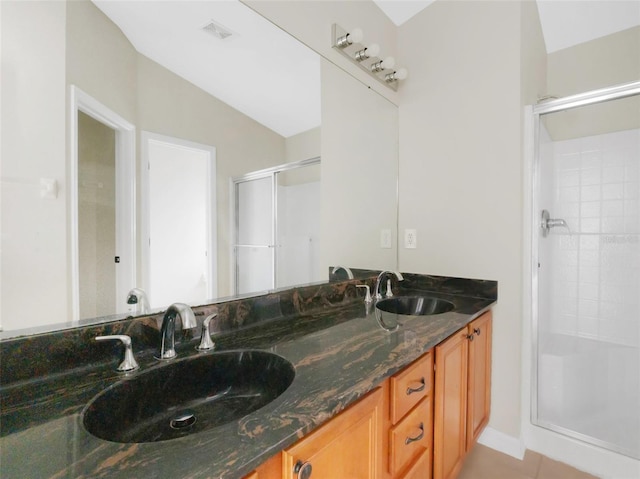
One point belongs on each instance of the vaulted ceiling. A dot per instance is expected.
(274, 79)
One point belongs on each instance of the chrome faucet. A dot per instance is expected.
(346, 270)
(378, 294)
(168, 329)
(138, 297)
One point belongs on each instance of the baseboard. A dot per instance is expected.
(502, 442)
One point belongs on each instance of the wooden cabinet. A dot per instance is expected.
(411, 420)
(479, 384)
(413, 426)
(462, 395)
(348, 446)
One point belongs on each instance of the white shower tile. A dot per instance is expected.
(590, 209)
(591, 143)
(566, 210)
(589, 242)
(590, 176)
(590, 225)
(590, 258)
(588, 291)
(613, 191)
(590, 193)
(632, 172)
(612, 225)
(631, 191)
(612, 208)
(588, 326)
(569, 194)
(568, 178)
(632, 225)
(588, 274)
(613, 174)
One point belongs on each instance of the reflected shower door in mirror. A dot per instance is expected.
(179, 221)
(277, 218)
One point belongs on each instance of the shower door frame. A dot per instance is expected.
(533, 184)
(256, 175)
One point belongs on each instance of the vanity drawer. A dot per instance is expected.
(421, 468)
(410, 386)
(411, 436)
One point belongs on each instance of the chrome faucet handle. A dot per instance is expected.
(345, 269)
(129, 362)
(367, 296)
(205, 339)
(376, 290)
(389, 292)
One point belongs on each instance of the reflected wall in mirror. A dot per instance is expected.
(111, 63)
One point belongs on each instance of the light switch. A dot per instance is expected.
(385, 239)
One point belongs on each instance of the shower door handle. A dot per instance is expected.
(546, 223)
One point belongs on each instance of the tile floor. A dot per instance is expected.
(485, 463)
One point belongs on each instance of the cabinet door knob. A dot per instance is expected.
(418, 389)
(303, 470)
(409, 440)
(470, 337)
(477, 331)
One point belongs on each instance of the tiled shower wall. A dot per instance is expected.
(594, 271)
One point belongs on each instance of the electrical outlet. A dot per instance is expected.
(410, 239)
(385, 239)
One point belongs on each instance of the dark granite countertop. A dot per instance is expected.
(339, 353)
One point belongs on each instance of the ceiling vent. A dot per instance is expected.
(217, 30)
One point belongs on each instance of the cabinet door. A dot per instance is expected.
(347, 447)
(479, 404)
(450, 412)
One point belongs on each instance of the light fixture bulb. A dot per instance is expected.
(373, 50)
(401, 74)
(355, 35)
(388, 62)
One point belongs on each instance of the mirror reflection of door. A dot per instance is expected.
(181, 263)
(96, 217)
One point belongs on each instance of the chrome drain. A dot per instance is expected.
(183, 420)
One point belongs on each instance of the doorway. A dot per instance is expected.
(102, 208)
(179, 221)
(586, 269)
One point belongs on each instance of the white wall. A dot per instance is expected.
(359, 155)
(34, 233)
(461, 163)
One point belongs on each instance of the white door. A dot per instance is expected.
(181, 218)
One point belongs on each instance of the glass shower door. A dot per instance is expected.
(254, 250)
(588, 278)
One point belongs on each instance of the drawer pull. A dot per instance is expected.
(418, 389)
(302, 470)
(409, 440)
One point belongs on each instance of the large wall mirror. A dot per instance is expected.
(113, 134)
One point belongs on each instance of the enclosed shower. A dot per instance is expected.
(586, 268)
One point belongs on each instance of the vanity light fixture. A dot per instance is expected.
(349, 38)
(372, 50)
(349, 44)
(399, 74)
(381, 65)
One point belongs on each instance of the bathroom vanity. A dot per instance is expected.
(359, 391)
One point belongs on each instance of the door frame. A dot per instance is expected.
(145, 208)
(544, 438)
(125, 161)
